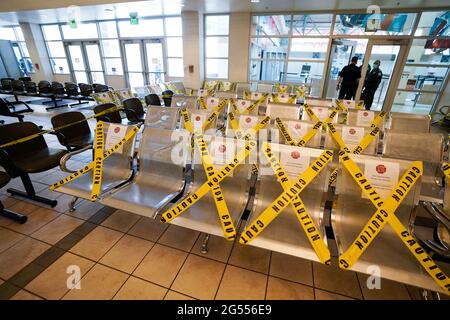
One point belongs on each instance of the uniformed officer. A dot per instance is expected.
(348, 80)
(373, 80)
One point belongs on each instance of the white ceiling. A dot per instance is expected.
(50, 11)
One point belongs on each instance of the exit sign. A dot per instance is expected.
(134, 18)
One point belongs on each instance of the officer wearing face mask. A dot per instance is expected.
(373, 80)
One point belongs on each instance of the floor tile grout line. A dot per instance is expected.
(268, 275)
(313, 282)
(360, 288)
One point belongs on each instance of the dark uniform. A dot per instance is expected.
(350, 74)
(373, 80)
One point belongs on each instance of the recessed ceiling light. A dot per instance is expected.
(254, 1)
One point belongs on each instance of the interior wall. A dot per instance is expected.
(238, 46)
(117, 82)
(193, 48)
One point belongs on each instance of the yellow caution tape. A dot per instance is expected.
(291, 99)
(299, 90)
(91, 165)
(380, 117)
(386, 214)
(307, 223)
(279, 89)
(287, 197)
(446, 169)
(247, 110)
(41, 133)
(99, 145)
(359, 105)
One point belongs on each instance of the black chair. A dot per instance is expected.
(73, 93)
(32, 156)
(4, 179)
(46, 91)
(113, 117)
(100, 88)
(5, 110)
(76, 136)
(152, 99)
(19, 89)
(31, 88)
(167, 97)
(25, 79)
(86, 90)
(134, 110)
(6, 86)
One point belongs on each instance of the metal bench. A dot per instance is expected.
(297, 129)
(414, 123)
(188, 102)
(162, 117)
(283, 110)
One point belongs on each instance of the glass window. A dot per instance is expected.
(83, 31)
(311, 24)
(174, 47)
(304, 72)
(308, 48)
(111, 48)
(217, 25)
(7, 34)
(423, 78)
(59, 65)
(56, 49)
(51, 32)
(145, 28)
(374, 24)
(19, 33)
(434, 24)
(270, 25)
(113, 66)
(108, 29)
(175, 67)
(216, 47)
(433, 51)
(413, 102)
(269, 48)
(173, 26)
(267, 70)
(217, 68)
(24, 49)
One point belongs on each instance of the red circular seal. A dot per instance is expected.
(197, 118)
(352, 131)
(248, 119)
(222, 148)
(243, 103)
(365, 114)
(116, 129)
(298, 126)
(380, 169)
(295, 154)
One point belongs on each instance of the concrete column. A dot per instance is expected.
(193, 48)
(239, 46)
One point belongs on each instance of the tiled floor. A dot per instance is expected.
(100, 253)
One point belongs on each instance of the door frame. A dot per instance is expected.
(144, 62)
(396, 72)
(82, 44)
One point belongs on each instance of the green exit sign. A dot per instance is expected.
(73, 23)
(134, 18)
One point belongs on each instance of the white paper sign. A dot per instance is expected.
(197, 120)
(202, 92)
(212, 102)
(350, 104)
(222, 152)
(322, 114)
(352, 136)
(364, 118)
(294, 161)
(283, 97)
(247, 122)
(115, 133)
(298, 129)
(383, 176)
(256, 95)
(242, 105)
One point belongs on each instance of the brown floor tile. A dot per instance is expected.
(291, 268)
(218, 248)
(324, 295)
(85, 210)
(134, 249)
(249, 257)
(179, 237)
(172, 295)
(19, 255)
(121, 221)
(278, 289)
(137, 289)
(161, 265)
(8, 238)
(24, 207)
(52, 282)
(24, 295)
(100, 283)
(36, 220)
(148, 228)
(241, 284)
(96, 243)
(199, 277)
(57, 229)
(336, 280)
(389, 290)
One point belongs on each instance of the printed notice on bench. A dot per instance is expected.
(222, 152)
(364, 118)
(352, 136)
(115, 133)
(294, 160)
(197, 120)
(382, 175)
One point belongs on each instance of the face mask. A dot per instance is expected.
(376, 66)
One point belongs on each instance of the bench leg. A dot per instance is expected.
(72, 206)
(205, 244)
(20, 218)
(30, 193)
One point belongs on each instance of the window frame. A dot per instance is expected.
(227, 57)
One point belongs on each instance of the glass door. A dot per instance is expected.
(77, 62)
(144, 62)
(86, 62)
(342, 51)
(378, 87)
(154, 58)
